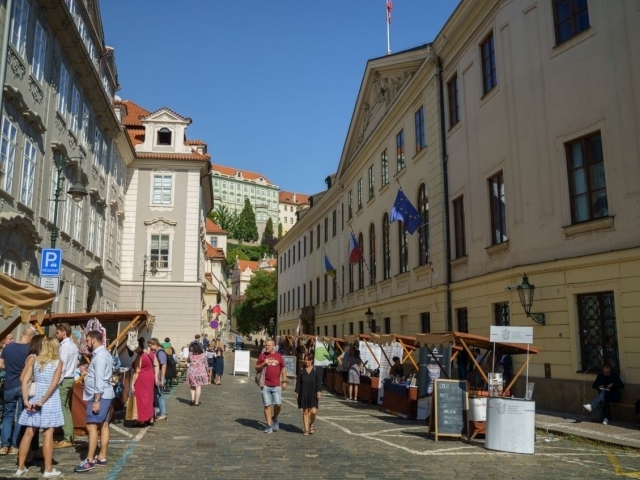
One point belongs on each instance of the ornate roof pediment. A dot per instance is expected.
(165, 115)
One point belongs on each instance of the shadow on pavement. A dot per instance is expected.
(251, 423)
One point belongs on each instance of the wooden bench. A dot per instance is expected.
(623, 411)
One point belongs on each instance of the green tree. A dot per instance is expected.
(279, 230)
(268, 239)
(247, 229)
(244, 252)
(223, 217)
(259, 307)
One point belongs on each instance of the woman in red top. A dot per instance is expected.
(145, 379)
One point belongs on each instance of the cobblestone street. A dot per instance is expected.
(223, 438)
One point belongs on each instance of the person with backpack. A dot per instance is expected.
(154, 345)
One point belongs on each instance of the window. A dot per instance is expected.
(39, 52)
(598, 331)
(326, 229)
(92, 227)
(311, 241)
(318, 330)
(488, 52)
(77, 222)
(118, 242)
(304, 295)
(458, 225)
(359, 194)
(72, 299)
(162, 187)
(361, 262)
(403, 248)
(299, 250)
(570, 17)
(326, 330)
(587, 183)
(311, 293)
(304, 246)
(425, 322)
(334, 223)
(386, 248)
(372, 182)
(318, 235)
(294, 254)
(361, 327)
(160, 250)
(63, 90)
(9, 267)
(7, 154)
(298, 293)
(372, 254)
(326, 288)
(497, 206)
(318, 290)
(97, 146)
(462, 315)
(400, 164)
(350, 267)
(99, 230)
(111, 238)
(384, 169)
(66, 219)
(342, 278)
(28, 173)
(335, 331)
(502, 317)
(164, 137)
(423, 230)
(285, 220)
(334, 287)
(75, 109)
(419, 125)
(19, 24)
(350, 328)
(214, 241)
(342, 217)
(350, 204)
(85, 124)
(454, 101)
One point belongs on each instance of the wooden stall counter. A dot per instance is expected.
(368, 389)
(400, 400)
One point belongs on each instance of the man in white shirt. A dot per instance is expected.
(69, 359)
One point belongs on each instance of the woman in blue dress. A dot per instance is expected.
(42, 411)
(218, 366)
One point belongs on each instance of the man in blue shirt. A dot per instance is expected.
(98, 393)
(154, 345)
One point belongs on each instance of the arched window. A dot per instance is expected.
(164, 136)
(423, 229)
(386, 248)
(361, 262)
(403, 248)
(372, 254)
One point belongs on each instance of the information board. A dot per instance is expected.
(449, 408)
(241, 362)
(290, 365)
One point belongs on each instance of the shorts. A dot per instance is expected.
(103, 414)
(345, 375)
(271, 396)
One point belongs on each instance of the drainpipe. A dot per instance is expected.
(447, 229)
(5, 46)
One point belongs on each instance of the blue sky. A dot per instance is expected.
(269, 84)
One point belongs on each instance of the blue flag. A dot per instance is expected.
(329, 270)
(403, 210)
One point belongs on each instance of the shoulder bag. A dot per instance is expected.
(31, 389)
(260, 377)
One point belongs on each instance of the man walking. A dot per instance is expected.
(98, 393)
(275, 380)
(12, 359)
(69, 359)
(154, 345)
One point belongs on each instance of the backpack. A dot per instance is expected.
(172, 369)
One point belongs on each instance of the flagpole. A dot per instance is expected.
(388, 25)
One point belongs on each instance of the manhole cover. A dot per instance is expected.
(205, 445)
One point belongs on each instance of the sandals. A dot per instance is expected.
(305, 433)
(312, 430)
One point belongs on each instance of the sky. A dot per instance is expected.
(269, 84)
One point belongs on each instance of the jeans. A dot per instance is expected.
(160, 402)
(271, 396)
(12, 405)
(462, 372)
(601, 401)
(65, 400)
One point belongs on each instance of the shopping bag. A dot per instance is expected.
(131, 413)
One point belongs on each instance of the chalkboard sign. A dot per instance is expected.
(449, 408)
(290, 365)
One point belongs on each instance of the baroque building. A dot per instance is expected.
(289, 208)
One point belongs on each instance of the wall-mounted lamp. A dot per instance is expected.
(370, 321)
(525, 290)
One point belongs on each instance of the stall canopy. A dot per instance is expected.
(24, 296)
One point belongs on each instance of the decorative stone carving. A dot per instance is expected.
(73, 141)
(55, 63)
(61, 125)
(35, 90)
(16, 65)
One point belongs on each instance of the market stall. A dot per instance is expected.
(27, 298)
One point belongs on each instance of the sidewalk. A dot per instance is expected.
(616, 433)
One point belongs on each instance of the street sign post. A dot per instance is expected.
(51, 262)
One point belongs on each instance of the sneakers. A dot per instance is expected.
(62, 444)
(268, 429)
(13, 451)
(4, 450)
(85, 466)
(99, 463)
(21, 472)
(605, 421)
(53, 473)
(276, 425)
(587, 407)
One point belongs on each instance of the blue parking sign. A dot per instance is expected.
(51, 262)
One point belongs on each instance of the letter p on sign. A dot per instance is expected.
(51, 262)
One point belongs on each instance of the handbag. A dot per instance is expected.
(131, 409)
(260, 377)
(31, 386)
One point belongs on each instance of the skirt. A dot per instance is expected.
(354, 376)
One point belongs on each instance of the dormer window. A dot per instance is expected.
(164, 137)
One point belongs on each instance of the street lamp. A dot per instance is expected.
(525, 291)
(77, 193)
(370, 321)
(153, 270)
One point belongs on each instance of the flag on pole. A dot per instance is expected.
(403, 210)
(355, 254)
(328, 268)
(389, 7)
(216, 309)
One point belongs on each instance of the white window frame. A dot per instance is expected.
(72, 298)
(92, 226)
(39, 53)
(97, 146)
(9, 267)
(75, 109)
(85, 125)
(63, 90)
(8, 147)
(159, 193)
(159, 265)
(111, 239)
(77, 223)
(19, 26)
(99, 232)
(104, 157)
(118, 243)
(28, 172)
(66, 221)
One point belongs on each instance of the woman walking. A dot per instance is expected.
(211, 359)
(308, 393)
(145, 379)
(218, 366)
(354, 375)
(43, 410)
(196, 372)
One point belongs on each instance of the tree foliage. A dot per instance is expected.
(223, 217)
(247, 229)
(244, 252)
(279, 230)
(258, 310)
(267, 237)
